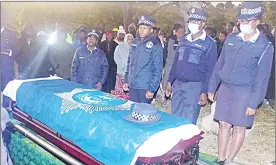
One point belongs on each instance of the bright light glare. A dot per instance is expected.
(53, 38)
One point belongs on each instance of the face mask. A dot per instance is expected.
(246, 29)
(194, 28)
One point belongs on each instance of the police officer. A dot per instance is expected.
(195, 59)
(90, 66)
(145, 63)
(243, 71)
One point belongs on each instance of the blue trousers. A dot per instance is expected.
(7, 74)
(139, 95)
(185, 98)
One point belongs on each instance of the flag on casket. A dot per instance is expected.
(93, 120)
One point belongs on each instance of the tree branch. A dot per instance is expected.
(160, 7)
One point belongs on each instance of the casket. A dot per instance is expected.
(88, 125)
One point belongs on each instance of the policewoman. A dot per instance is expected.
(90, 66)
(193, 65)
(243, 71)
(145, 63)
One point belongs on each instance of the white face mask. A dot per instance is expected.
(246, 29)
(194, 28)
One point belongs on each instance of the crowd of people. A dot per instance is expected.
(136, 63)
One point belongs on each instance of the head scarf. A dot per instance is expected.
(121, 30)
(126, 36)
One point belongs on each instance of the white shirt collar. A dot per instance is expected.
(89, 49)
(2, 29)
(202, 37)
(253, 38)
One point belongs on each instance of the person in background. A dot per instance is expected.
(108, 47)
(270, 94)
(178, 32)
(41, 64)
(5, 157)
(75, 33)
(90, 66)
(81, 39)
(242, 74)
(163, 40)
(101, 30)
(192, 68)
(156, 32)
(229, 27)
(235, 29)
(61, 54)
(10, 50)
(268, 34)
(210, 31)
(120, 35)
(144, 67)
(121, 56)
(162, 37)
(132, 29)
(115, 33)
(222, 38)
(214, 36)
(27, 43)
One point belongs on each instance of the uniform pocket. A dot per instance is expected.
(194, 56)
(82, 61)
(181, 52)
(251, 61)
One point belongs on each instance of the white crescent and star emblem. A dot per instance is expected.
(193, 10)
(86, 100)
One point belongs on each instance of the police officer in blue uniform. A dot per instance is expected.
(193, 65)
(10, 50)
(243, 71)
(90, 66)
(145, 63)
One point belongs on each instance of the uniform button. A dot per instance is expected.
(88, 59)
(87, 69)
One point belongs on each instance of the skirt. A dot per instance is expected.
(232, 102)
(119, 92)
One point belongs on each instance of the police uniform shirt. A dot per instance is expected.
(195, 60)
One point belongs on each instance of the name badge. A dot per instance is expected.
(198, 45)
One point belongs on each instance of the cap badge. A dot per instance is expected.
(193, 10)
(142, 18)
